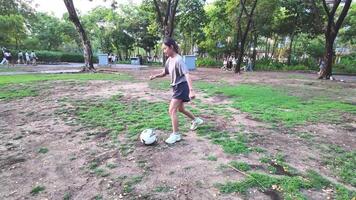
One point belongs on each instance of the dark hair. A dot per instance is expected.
(171, 43)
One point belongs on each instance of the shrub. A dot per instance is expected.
(208, 62)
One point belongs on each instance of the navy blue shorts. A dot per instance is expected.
(181, 91)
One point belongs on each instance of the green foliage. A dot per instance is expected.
(208, 62)
(347, 64)
(13, 30)
(51, 32)
(54, 57)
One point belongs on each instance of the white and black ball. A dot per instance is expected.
(148, 137)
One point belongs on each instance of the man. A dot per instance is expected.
(27, 56)
(4, 57)
(20, 57)
(33, 58)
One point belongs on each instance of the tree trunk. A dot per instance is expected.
(331, 33)
(87, 50)
(275, 43)
(266, 48)
(254, 53)
(290, 49)
(245, 33)
(166, 20)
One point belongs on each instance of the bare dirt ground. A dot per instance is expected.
(181, 171)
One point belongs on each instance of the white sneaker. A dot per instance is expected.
(195, 123)
(173, 138)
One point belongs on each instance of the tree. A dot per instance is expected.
(216, 31)
(166, 12)
(348, 32)
(332, 29)
(21, 7)
(191, 19)
(88, 54)
(243, 33)
(13, 30)
(47, 29)
(138, 20)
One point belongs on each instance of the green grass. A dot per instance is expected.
(130, 117)
(111, 165)
(230, 143)
(212, 158)
(25, 78)
(67, 196)
(160, 84)
(162, 188)
(36, 190)
(240, 166)
(272, 105)
(10, 94)
(101, 172)
(43, 150)
(343, 164)
(289, 187)
(129, 184)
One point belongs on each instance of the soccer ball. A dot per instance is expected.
(148, 137)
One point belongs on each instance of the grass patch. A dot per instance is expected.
(10, 93)
(212, 158)
(162, 188)
(111, 165)
(25, 78)
(67, 196)
(290, 188)
(43, 150)
(231, 143)
(36, 190)
(160, 84)
(131, 117)
(343, 164)
(129, 184)
(272, 105)
(101, 172)
(234, 147)
(240, 165)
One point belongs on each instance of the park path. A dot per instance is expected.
(58, 69)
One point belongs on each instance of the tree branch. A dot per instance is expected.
(159, 15)
(175, 5)
(326, 8)
(343, 14)
(335, 6)
(167, 12)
